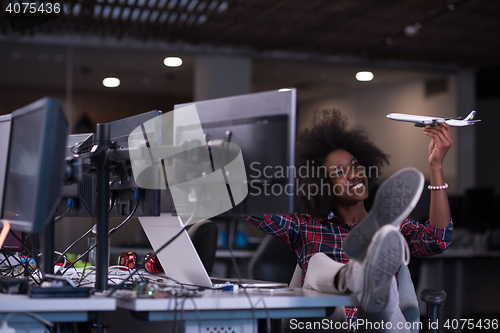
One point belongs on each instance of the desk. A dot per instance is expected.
(226, 311)
(57, 310)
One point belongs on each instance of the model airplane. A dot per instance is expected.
(422, 121)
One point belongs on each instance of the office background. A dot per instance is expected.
(438, 58)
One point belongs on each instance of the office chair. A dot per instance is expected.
(204, 235)
(433, 298)
(273, 261)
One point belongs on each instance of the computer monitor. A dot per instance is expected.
(263, 125)
(4, 149)
(34, 169)
(81, 193)
(122, 183)
(10, 243)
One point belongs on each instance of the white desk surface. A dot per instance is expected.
(227, 304)
(23, 303)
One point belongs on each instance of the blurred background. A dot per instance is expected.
(428, 57)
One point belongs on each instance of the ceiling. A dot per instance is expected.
(316, 45)
(461, 32)
(39, 66)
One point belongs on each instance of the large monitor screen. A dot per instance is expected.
(24, 163)
(11, 243)
(34, 169)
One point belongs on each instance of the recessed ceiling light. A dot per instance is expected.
(364, 76)
(172, 61)
(111, 82)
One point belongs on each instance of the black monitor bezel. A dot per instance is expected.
(4, 118)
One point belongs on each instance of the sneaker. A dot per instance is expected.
(370, 280)
(394, 200)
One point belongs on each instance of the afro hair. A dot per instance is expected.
(329, 132)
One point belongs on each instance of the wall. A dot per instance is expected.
(487, 148)
(406, 145)
(100, 107)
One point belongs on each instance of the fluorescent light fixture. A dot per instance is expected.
(285, 89)
(172, 61)
(364, 76)
(111, 82)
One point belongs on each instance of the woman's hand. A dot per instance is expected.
(440, 144)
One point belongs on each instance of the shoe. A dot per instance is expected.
(370, 280)
(394, 200)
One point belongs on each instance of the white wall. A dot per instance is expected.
(406, 144)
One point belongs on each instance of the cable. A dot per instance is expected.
(198, 317)
(151, 256)
(237, 270)
(6, 258)
(21, 263)
(74, 243)
(137, 200)
(71, 204)
(29, 253)
(96, 152)
(78, 259)
(183, 302)
(113, 199)
(110, 232)
(154, 253)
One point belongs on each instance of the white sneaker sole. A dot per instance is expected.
(394, 200)
(382, 261)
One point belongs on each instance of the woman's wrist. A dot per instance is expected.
(436, 166)
(436, 173)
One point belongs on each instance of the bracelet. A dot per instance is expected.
(438, 187)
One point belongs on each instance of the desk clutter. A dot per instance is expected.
(21, 275)
(125, 280)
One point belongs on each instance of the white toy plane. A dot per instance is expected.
(422, 121)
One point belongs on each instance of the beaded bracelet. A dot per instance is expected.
(438, 187)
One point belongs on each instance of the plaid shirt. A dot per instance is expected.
(307, 236)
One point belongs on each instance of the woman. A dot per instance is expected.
(343, 163)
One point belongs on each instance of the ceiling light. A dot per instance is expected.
(412, 29)
(284, 89)
(172, 61)
(111, 82)
(364, 76)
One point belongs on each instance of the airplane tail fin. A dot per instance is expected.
(470, 117)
